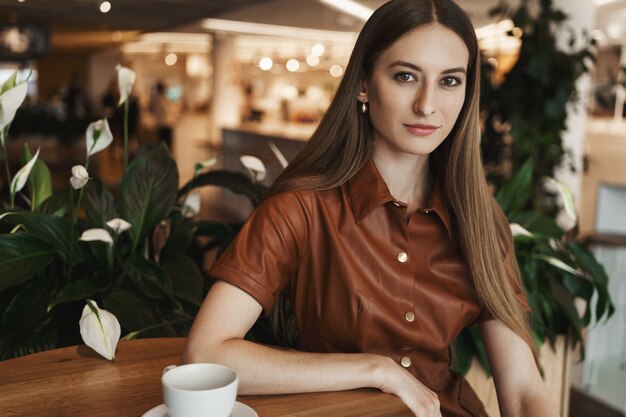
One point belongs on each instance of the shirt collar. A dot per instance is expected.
(368, 190)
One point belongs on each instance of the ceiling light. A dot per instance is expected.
(312, 60)
(318, 49)
(266, 63)
(105, 7)
(350, 7)
(171, 59)
(21, 1)
(292, 65)
(336, 71)
(276, 30)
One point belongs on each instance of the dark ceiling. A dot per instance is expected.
(125, 15)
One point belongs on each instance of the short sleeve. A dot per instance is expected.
(510, 262)
(267, 250)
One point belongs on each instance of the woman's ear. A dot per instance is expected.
(362, 96)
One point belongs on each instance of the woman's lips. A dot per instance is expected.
(420, 129)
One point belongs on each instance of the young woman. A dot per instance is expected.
(385, 238)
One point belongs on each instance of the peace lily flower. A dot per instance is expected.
(191, 206)
(119, 225)
(12, 96)
(79, 178)
(255, 166)
(568, 218)
(126, 79)
(19, 181)
(279, 155)
(100, 235)
(518, 230)
(98, 136)
(559, 264)
(204, 164)
(100, 330)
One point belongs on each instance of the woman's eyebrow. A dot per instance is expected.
(417, 68)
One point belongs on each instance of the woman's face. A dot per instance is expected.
(416, 90)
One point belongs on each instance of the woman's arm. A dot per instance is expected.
(217, 336)
(520, 389)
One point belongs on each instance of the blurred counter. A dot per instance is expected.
(285, 130)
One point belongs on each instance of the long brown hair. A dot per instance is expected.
(342, 143)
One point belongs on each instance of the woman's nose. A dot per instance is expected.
(424, 101)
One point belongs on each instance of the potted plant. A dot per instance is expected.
(138, 256)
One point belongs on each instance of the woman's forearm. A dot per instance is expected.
(267, 370)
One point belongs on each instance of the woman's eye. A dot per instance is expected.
(405, 77)
(451, 81)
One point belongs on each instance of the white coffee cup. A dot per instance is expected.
(199, 390)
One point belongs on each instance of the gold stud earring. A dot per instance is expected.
(363, 107)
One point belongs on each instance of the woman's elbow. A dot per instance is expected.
(195, 351)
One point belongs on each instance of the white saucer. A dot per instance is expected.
(240, 410)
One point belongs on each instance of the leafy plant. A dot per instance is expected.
(556, 271)
(139, 256)
(524, 116)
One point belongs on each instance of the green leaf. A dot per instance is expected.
(57, 204)
(51, 229)
(26, 313)
(78, 290)
(21, 257)
(39, 181)
(99, 205)
(185, 276)
(132, 312)
(515, 193)
(536, 223)
(481, 353)
(148, 277)
(566, 303)
(236, 182)
(588, 262)
(464, 351)
(35, 341)
(148, 192)
(181, 237)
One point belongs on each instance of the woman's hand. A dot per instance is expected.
(398, 381)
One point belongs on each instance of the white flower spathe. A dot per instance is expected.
(119, 225)
(11, 99)
(255, 166)
(518, 230)
(569, 207)
(19, 181)
(100, 330)
(100, 235)
(79, 178)
(126, 79)
(192, 203)
(279, 155)
(98, 136)
(204, 164)
(559, 264)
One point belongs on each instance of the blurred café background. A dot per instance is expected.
(226, 78)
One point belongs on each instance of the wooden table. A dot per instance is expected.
(75, 381)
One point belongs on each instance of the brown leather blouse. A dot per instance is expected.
(362, 276)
